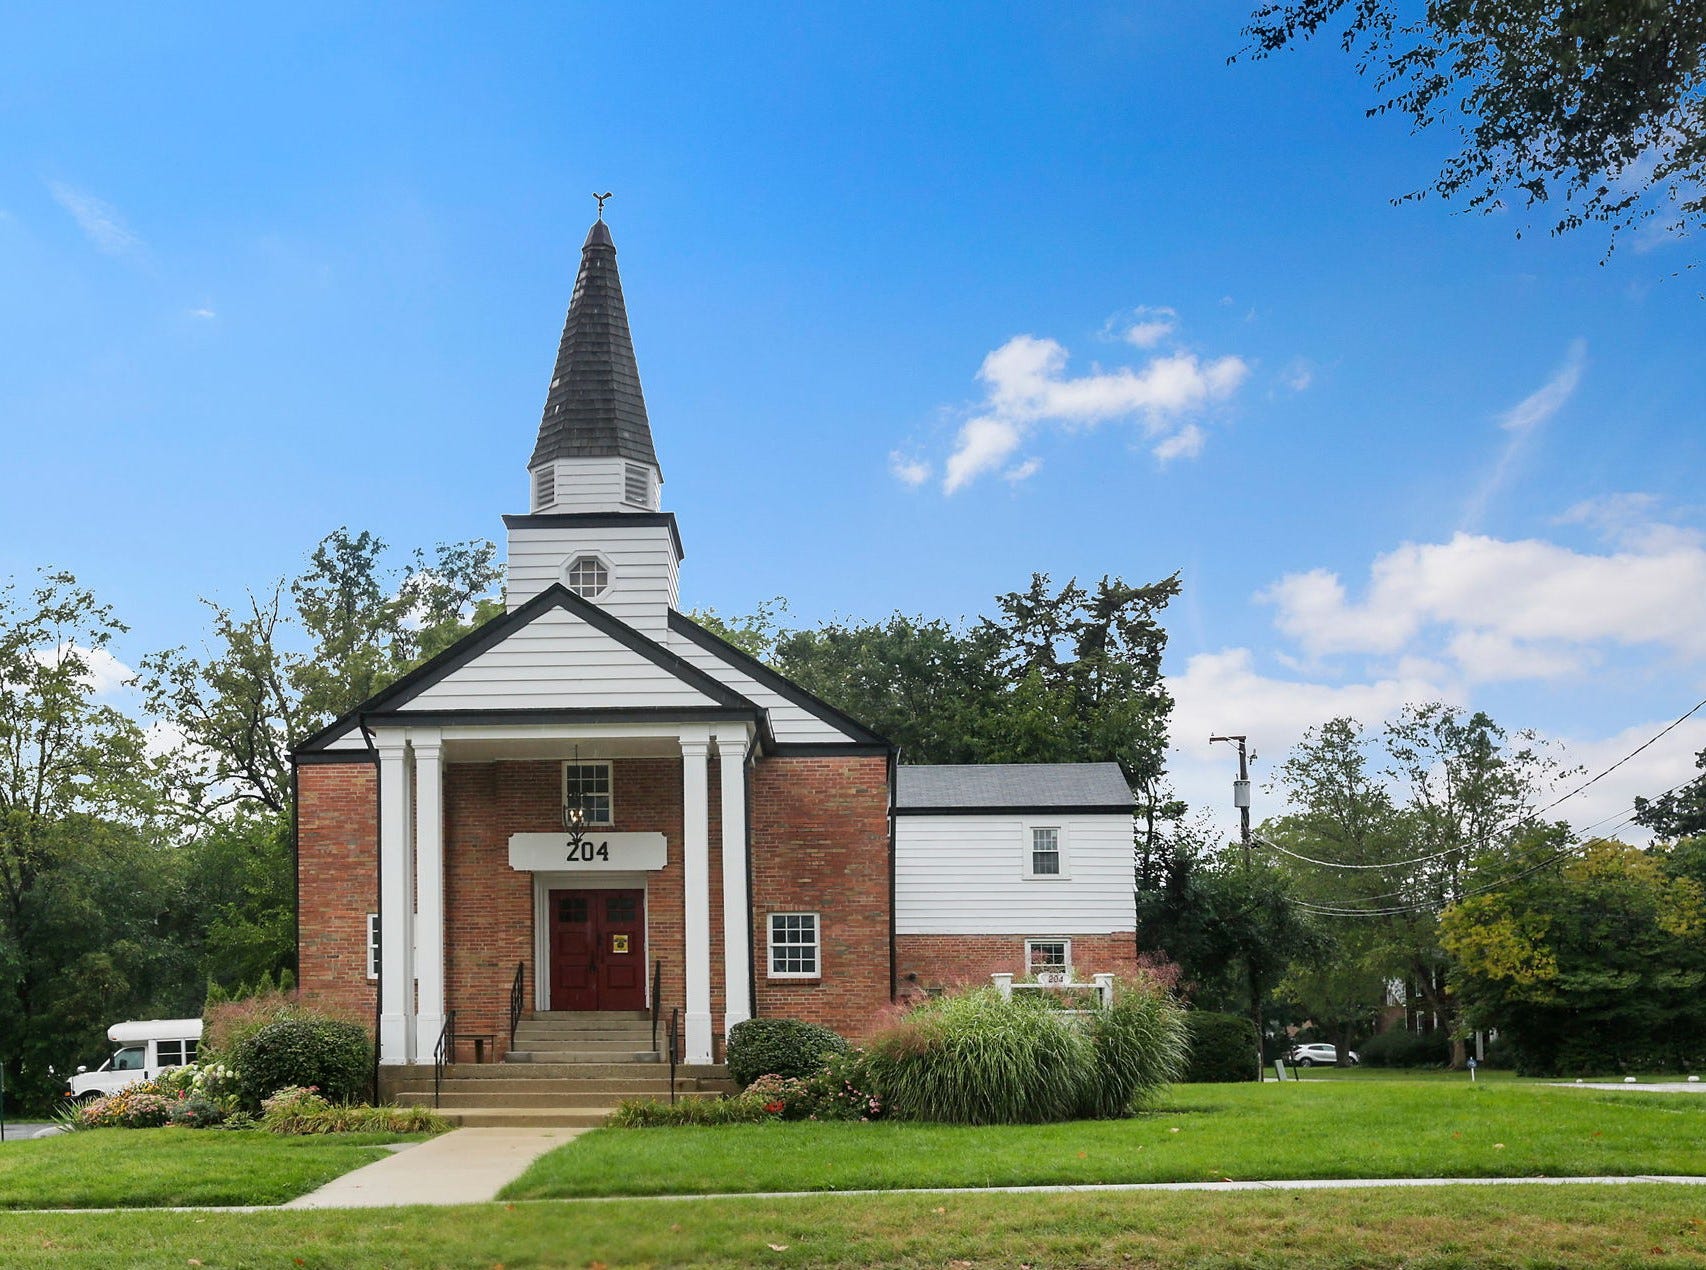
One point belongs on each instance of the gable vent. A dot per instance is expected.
(544, 487)
(637, 485)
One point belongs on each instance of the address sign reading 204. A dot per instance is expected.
(587, 852)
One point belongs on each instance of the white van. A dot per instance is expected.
(146, 1048)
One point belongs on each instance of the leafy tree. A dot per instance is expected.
(88, 888)
(1229, 920)
(1598, 107)
(1385, 850)
(1680, 813)
(1597, 964)
(275, 671)
(1072, 675)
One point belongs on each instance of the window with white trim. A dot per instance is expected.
(373, 945)
(1049, 960)
(794, 946)
(587, 576)
(588, 786)
(1046, 856)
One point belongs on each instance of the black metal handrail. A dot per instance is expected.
(674, 1049)
(657, 999)
(516, 997)
(442, 1053)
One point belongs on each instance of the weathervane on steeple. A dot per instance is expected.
(601, 198)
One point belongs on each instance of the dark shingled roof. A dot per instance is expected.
(594, 408)
(1012, 786)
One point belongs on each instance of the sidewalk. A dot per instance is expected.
(464, 1166)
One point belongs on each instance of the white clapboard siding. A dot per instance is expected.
(557, 661)
(790, 723)
(593, 485)
(641, 559)
(965, 875)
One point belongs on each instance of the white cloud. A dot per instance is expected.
(1522, 421)
(1186, 443)
(1022, 471)
(909, 472)
(1545, 401)
(1499, 600)
(1027, 384)
(1298, 375)
(1143, 327)
(204, 313)
(99, 220)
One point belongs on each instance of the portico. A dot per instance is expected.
(672, 866)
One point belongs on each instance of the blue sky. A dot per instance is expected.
(925, 298)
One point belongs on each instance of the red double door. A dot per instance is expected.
(598, 950)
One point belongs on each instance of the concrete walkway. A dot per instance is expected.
(464, 1166)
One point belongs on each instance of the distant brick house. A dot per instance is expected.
(596, 790)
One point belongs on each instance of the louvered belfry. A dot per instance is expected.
(594, 408)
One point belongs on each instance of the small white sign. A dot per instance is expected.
(598, 852)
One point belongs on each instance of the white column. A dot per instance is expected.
(737, 919)
(696, 878)
(396, 904)
(429, 892)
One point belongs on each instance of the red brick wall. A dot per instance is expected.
(337, 878)
(820, 843)
(953, 961)
(819, 839)
(489, 905)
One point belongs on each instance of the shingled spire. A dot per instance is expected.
(594, 408)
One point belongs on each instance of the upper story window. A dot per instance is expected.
(1045, 855)
(636, 485)
(587, 786)
(587, 576)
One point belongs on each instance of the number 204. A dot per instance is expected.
(588, 851)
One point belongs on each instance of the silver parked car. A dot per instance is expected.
(1319, 1055)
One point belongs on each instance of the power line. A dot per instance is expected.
(1438, 855)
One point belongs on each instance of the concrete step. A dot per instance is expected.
(561, 1070)
(452, 1099)
(612, 1087)
(529, 1117)
(589, 1018)
(557, 1057)
(590, 1035)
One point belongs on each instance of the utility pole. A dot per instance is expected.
(1241, 786)
(1241, 800)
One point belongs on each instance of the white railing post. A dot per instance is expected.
(1003, 984)
(1104, 989)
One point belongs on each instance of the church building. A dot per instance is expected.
(594, 804)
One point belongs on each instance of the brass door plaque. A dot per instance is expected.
(618, 943)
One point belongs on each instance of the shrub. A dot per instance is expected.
(1401, 1048)
(649, 1113)
(334, 1056)
(302, 1111)
(226, 1023)
(980, 1058)
(837, 1091)
(779, 1047)
(195, 1113)
(1222, 1047)
(1138, 1048)
(138, 1107)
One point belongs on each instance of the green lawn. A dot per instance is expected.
(1303, 1129)
(1459, 1228)
(151, 1168)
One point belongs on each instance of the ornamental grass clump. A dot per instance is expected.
(1139, 1046)
(980, 1058)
